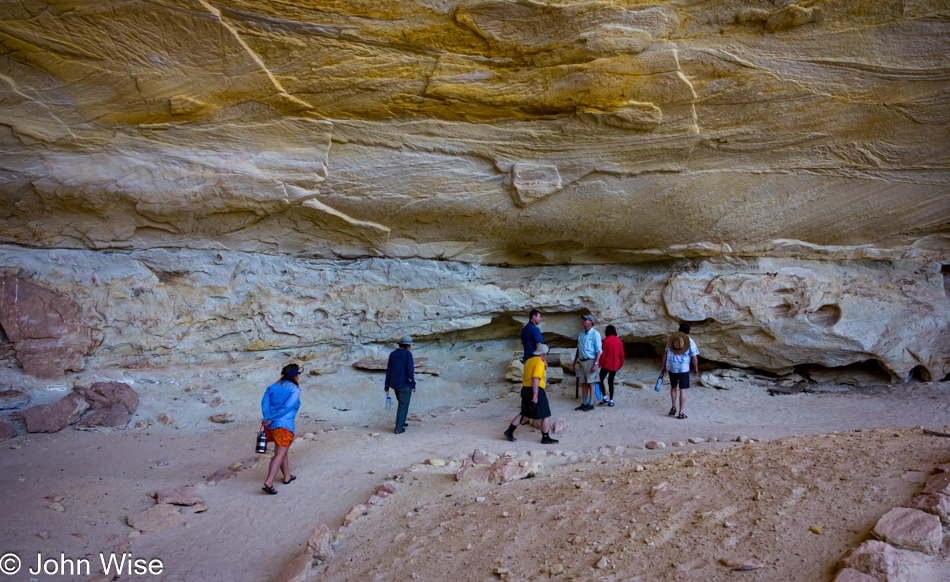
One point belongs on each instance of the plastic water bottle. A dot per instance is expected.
(389, 402)
(659, 382)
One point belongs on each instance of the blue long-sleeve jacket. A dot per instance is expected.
(280, 404)
(399, 371)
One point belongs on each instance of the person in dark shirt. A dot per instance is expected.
(531, 338)
(401, 378)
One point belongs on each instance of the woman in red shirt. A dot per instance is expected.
(611, 360)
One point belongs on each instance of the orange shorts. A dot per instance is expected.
(279, 436)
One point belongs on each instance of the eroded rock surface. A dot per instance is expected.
(773, 174)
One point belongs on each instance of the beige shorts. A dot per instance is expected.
(585, 372)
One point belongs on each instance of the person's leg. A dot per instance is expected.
(674, 382)
(545, 429)
(280, 453)
(510, 431)
(610, 382)
(684, 384)
(285, 466)
(402, 396)
(603, 387)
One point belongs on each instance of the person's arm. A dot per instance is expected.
(410, 370)
(389, 375)
(265, 409)
(535, 382)
(577, 354)
(663, 365)
(621, 356)
(598, 348)
(538, 340)
(695, 362)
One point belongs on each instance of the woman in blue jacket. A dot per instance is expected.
(279, 407)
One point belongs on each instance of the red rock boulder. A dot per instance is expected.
(44, 327)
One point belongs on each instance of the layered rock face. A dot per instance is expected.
(300, 174)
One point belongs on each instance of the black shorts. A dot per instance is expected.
(529, 409)
(679, 379)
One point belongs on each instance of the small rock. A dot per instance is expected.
(7, 431)
(757, 496)
(557, 569)
(602, 563)
(436, 462)
(559, 426)
(319, 543)
(689, 463)
(695, 440)
(467, 547)
(815, 530)
(374, 434)
(159, 518)
(479, 500)
(639, 468)
(739, 565)
(223, 418)
(164, 419)
(178, 496)
(43, 535)
(355, 513)
(199, 509)
(910, 529)
(634, 384)
(10, 399)
(678, 443)
(57, 506)
(387, 488)
(655, 445)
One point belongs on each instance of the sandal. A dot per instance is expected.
(269, 489)
(682, 416)
(672, 412)
(292, 478)
(610, 403)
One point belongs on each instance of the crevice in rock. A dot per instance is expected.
(921, 373)
(859, 374)
(945, 271)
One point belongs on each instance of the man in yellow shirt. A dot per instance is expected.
(534, 401)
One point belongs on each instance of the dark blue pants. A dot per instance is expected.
(403, 397)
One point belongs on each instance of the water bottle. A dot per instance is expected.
(659, 382)
(389, 402)
(261, 443)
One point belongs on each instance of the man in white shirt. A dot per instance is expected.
(681, 355)
(587, 361)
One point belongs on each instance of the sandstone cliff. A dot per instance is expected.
(280, 175)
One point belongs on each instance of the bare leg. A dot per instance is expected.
(516, 421)
(285, 466)
(682, 399)
(673, 397)
(280, 453)
(545, 425)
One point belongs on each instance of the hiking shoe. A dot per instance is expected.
(510, 435)
(548, 441)
(588, 408)
(581, 407)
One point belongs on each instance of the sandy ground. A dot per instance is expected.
(841, 483)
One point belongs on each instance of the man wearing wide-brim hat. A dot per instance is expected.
(400, 376)
(680, 356)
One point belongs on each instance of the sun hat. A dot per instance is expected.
(542, 349)
(589, 318)
(405, 340)
(679, 343)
